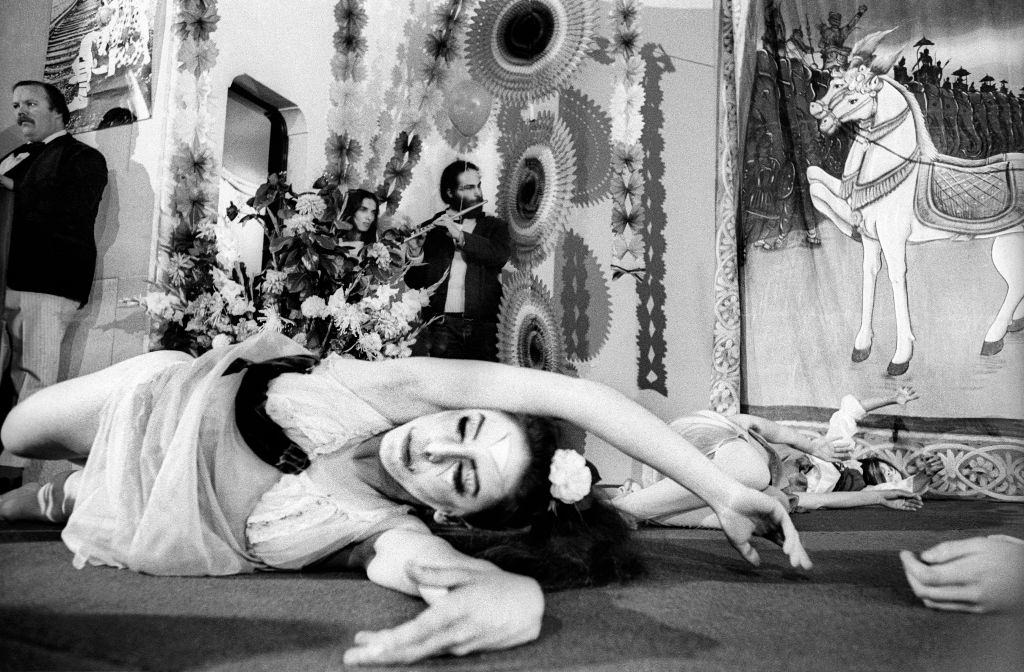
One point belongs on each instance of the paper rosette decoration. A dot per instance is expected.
(528, 332)
(536, 187)
(525, 49)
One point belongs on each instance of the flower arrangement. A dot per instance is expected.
(327, 294)
(627, 185)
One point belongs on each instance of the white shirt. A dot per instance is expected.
(16, 158)
(455, 300)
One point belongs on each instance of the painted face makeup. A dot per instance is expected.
(459, 462)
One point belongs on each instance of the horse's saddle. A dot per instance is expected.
(972, 198)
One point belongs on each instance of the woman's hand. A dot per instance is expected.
(901, 500)
(905, 394)
(749, 512)
(832, 450)
(471, 607)
(977, 575)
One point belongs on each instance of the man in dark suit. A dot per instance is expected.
(471, 248)
(51, 188)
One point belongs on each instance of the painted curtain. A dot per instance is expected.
(803, 278)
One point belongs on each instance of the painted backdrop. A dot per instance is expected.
(809, 335)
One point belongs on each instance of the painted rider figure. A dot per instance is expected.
(834, 55)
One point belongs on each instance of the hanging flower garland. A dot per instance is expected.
(627, 183)
(427, 73)
(351, 121)
(189, 274)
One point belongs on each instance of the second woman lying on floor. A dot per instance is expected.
(817, 472)
(256, 456)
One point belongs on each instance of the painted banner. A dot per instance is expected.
(882, 222)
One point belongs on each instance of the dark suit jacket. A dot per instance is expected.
(487, 249)
(53, 247)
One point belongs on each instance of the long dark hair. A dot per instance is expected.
(872, 467)
(531, 533)
(353, 203)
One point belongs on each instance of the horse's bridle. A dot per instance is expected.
(870, 98)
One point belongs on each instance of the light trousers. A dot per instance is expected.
(34, 326)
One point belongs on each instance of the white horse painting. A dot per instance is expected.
(897, 189)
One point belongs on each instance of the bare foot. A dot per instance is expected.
(22, 504)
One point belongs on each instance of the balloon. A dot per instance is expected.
(469, 105)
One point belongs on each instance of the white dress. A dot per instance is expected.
(171, 488)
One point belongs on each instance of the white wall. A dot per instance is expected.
(286, 46)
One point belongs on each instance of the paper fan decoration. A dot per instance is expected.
(536, 187)
(528, 332)
(524, 49)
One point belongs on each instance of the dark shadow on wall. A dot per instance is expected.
(126, 208)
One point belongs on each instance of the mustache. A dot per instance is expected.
(23, 118)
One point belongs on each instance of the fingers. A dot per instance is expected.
(950, 550)
(931, 577)
(969, 607)
(793, 548)
(424, 636)
(749, 553)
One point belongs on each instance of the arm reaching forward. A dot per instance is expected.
(471, 604)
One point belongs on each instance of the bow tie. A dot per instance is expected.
(19, 155)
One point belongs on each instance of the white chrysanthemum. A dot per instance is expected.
(396, 350)
(348, 317)
(221, 340)
(272, 320)
(229, 289)
(385, 292)
(162, 305)
(569, 475)
(417, 298)
(239, 305)
(299, 224)
(273, 281)
(371, 345)
(310, 205)
(314, 306)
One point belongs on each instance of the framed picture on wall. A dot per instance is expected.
(100, 54)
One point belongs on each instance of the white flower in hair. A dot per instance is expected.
(570, 476)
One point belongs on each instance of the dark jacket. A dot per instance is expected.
(53, 247)
(487, 249)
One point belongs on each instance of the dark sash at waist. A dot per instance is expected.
(266, 439)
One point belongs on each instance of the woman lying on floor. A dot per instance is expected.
(821, 475)
(185, 457)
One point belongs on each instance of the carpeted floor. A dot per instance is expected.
(700, 608)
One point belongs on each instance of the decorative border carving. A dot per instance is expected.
(725, 384)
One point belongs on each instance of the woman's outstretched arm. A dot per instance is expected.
(821, 447)
(472, 605)
(430, 384)
(902, 500)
